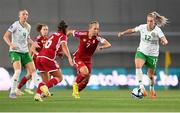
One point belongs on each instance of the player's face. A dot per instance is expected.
(44, 31)
(23, 16)
(151, 22)
(94, 29)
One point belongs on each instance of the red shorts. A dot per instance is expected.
(80, 63)
(46, 65)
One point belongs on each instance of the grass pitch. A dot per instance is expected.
(93, 101)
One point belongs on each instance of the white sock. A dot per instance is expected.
(28, 83)
(15, 79)
(36, 79)
(139, 75)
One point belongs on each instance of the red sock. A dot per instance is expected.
(38, 89)
(79, 78)
(83, 83)
(54, 81)
(23, 81)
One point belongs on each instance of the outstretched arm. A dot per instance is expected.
(66, 52)
(70, 32)
(128, 31)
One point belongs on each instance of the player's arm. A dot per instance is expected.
(70, 32)
(104, 42)
(7, 40)
(35, 44)
(65, 49)
(104, 45)
(128, 31)
(164, 40)
(33, 50)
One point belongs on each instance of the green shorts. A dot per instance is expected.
(25, 58)
(150, 61)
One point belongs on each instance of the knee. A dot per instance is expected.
(84, 71)
(59, 78)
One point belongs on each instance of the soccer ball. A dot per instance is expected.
(136, 93)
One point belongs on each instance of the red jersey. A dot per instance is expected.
(52, 45)
(41, 42)
(86, 46)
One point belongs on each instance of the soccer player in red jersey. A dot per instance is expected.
(82, 59)
(41, 39)
(46, 60)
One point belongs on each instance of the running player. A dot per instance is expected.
(19, 31)
(41, 39)
(46, 60)
(148, 50)
(82, 59)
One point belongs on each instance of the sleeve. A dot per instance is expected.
(12, 28)
(100, 39)
(138, 28)
(160, 33)
(79, 33)
(64, 39)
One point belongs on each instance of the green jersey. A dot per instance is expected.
(149, 44)
(20, 35)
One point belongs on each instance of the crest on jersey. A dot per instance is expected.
(94, 41)
(84, 40)
(79, 62)
(153, 34)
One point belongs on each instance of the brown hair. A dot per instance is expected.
(39, 27)
(159, 19)
(62, 26)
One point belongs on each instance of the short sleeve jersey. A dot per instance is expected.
(52, 45)
(149, 40)
(20, 35)
(87, 46)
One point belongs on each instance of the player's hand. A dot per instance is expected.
(71, 61)
(12, 46)
(164, 42)
(99, 48)
(120, 34)
(35, 44)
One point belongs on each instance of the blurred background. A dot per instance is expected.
(113, 68)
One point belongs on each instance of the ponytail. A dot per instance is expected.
(160, 20)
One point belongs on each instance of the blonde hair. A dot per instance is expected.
(93, 22)
(159, 19)
(23, 11)
(26, 24)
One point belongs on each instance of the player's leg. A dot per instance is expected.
(86, 76)
(150, 73)
(139, 62)
(31, 71)
(42, 72)
(82, 71)
(16, 61)
(29, 88)
(37, 96)
(53, 70)
(151, 64)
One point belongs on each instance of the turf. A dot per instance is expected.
(99, 101)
